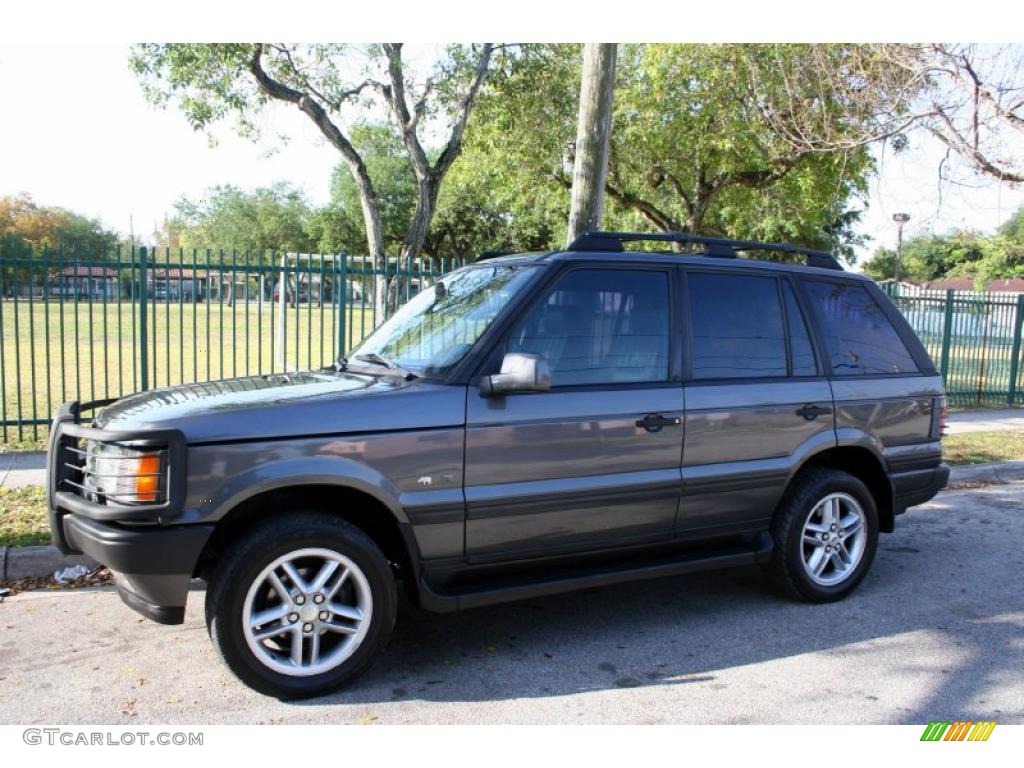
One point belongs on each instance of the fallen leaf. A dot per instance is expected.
(366, 720)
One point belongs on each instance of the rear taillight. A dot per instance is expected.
(939, 422)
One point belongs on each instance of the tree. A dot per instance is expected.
(267, 219)
(693, 148)
(339, 225)
(974, 103)
(210, 82)
(26, 225)
(593, 132)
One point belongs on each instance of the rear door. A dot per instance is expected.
(757, 399)
(594, 462)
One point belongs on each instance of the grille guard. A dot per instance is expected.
(67, 427)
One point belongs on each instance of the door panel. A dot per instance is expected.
(570, 470)
(742, 440)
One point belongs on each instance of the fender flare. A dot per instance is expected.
(316, 470)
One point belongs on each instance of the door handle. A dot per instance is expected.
(653, 422)
(811, 411)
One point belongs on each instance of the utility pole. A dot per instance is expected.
(900, 219)
(592, 134)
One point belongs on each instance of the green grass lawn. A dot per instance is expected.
(56, 352)
(23, 519)
(983, 447)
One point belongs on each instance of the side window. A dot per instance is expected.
(859, 337)
(600, 326)
(800, 347)
(737, 326)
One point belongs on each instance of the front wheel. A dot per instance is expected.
(825, 534)
(301, 605)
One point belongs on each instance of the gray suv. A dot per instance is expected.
(528, 425)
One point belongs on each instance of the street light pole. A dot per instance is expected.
(900, 219)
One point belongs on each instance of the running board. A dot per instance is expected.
(474, 597)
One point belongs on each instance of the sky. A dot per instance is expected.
(81, 135)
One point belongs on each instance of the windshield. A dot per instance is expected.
(435, 330)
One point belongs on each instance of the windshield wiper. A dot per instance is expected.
(375, 359)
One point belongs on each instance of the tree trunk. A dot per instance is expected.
(415, 237)
(592, 133)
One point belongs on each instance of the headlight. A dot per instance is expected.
(124, 475)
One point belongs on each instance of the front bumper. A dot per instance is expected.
(152, 565)
(152, 561)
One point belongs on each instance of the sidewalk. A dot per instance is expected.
(987, 420)
(18, 469)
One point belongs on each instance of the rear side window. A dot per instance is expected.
(859, 337)
(799, 339)
(737, 326)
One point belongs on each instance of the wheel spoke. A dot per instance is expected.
(279, 587)
(850, 524)
(344, 629)
(267, 633)
(812, 539)
(349, 612)
(297, 646)
(269, 615)
(816, 527)
(831, 512)
(817, 560)
(837, 560)
(314, 648)
(324, 575)
(293, 576)
(338, 584)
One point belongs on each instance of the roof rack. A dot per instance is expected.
(714, 246)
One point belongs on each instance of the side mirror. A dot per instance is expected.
(520, 372)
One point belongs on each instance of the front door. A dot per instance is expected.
(595, 461)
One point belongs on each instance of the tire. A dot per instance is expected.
(340, 627)
(808, 506)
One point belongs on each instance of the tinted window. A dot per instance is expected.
(800, 348)
(600, 327)
(737, 326)
(859, 337)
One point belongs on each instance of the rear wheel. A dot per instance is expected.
(825, 534)
(301, 605)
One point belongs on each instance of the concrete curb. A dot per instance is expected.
(36, 562)
(999, 472)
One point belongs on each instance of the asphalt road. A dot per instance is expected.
(935, 632)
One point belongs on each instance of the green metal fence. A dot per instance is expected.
(974, 337)
(88, 327)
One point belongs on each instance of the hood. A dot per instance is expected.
(288, 405)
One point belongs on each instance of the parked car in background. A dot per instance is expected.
(529, 424)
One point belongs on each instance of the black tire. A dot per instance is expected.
(242, 564)
(787, 569)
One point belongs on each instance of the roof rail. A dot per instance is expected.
(714, 246)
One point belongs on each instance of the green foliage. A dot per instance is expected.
(26, 226)
(960, 254)
(339, 226)
(689, 150)
(276, 218)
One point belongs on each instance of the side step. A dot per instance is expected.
(474, 597)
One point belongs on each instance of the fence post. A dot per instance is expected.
(947, 336)
(342, 282)
(143, 319)
(1018, 321)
